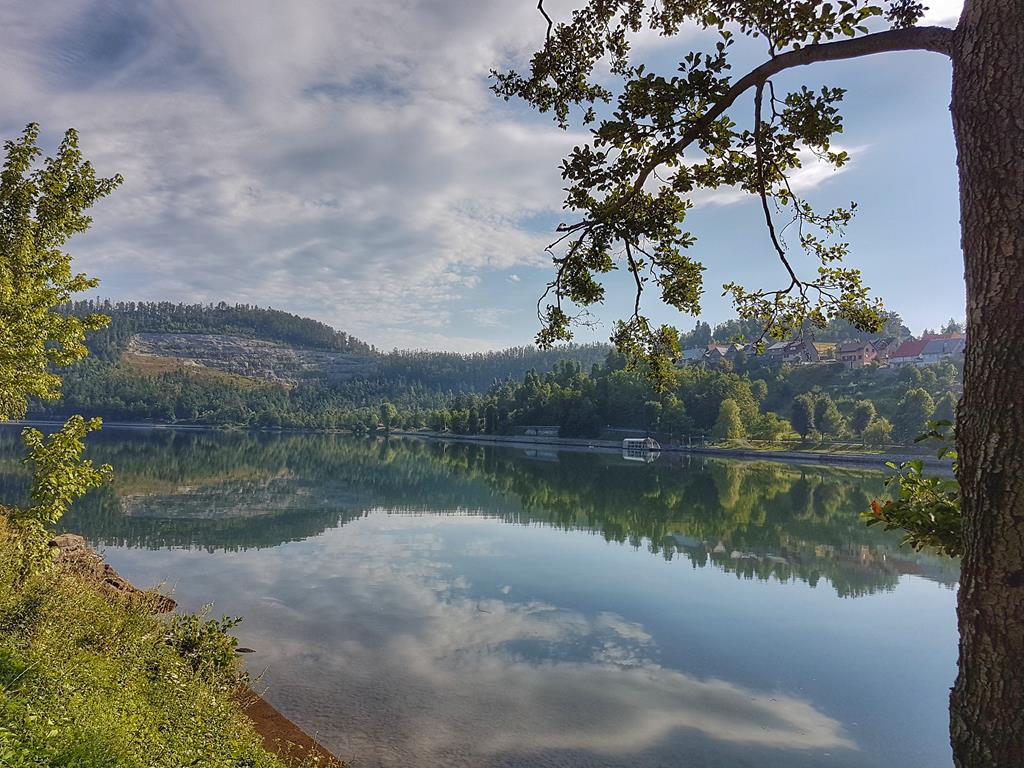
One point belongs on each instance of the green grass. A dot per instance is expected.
(90, 682)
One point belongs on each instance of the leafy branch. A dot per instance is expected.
(927, 507)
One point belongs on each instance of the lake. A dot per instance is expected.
(415, 603)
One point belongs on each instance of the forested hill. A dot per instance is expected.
(128, 318)
(240, 364)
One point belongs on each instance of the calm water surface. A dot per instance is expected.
(419, 604)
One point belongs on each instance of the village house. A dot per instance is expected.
(907, 353)
(942, 348)
(793, 351)
(691, 356)
(857, 354)
(884, 348)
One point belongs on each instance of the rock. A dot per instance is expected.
(254, 358)
(72, 552)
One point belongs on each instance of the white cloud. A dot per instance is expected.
(944, 12)
(339, 159)
(412, 667)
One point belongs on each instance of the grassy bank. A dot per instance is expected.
(87, 681)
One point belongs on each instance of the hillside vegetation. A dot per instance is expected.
(242, 365)
(86, 680)
(246, 366)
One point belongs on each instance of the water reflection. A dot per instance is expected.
(440, 672)
(422, 604)
(235, 491)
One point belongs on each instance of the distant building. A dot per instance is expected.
(884, 348)
(827, 350)
(942, 348)
(692, 356)
(907, 353)
(541, 431)
(856, 354)
(775, 352)
(794, 351)
(719, 352)
(930, 349)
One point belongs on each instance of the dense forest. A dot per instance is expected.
(583, 390)
(750, 400)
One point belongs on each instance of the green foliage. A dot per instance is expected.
(388, 414)
(945, 408)
(863, 414)
(772, 427)
(803, 414)
(878, 433)
(60, 474)
(630, 188)
(927, 508)
(40, 208)
(912, 414)
(729, 425)
(208, 647)
(88, 682)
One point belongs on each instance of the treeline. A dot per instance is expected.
(584, 390)
(749, 330)
(476, 372)
(750, 400)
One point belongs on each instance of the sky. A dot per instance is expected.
(346, 161)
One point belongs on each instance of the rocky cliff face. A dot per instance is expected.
(252, 357)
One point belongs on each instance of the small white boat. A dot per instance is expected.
(640, 445)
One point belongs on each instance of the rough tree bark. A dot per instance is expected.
(987, 702)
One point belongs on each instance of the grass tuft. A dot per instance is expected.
(93, 682)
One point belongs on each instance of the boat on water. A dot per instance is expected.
(645, 449)
(640, 444)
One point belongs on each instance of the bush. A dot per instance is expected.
(207, 647)
(878, 433)
(86, 681)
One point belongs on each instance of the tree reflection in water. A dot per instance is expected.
(236, 491)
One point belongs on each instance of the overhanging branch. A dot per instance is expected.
(935, 39)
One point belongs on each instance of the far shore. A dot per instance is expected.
(875, 460)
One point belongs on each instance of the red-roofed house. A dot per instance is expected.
(908, 353)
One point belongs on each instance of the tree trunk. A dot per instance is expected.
(987, 702)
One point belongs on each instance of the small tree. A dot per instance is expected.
(388, 414)
(945, 409)
(878, 433)
(863, 415)
(803, 414)
(827, 417)
(729, 425)
(41, 206)
(771, 427)
(912, 414)
(652, 415)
